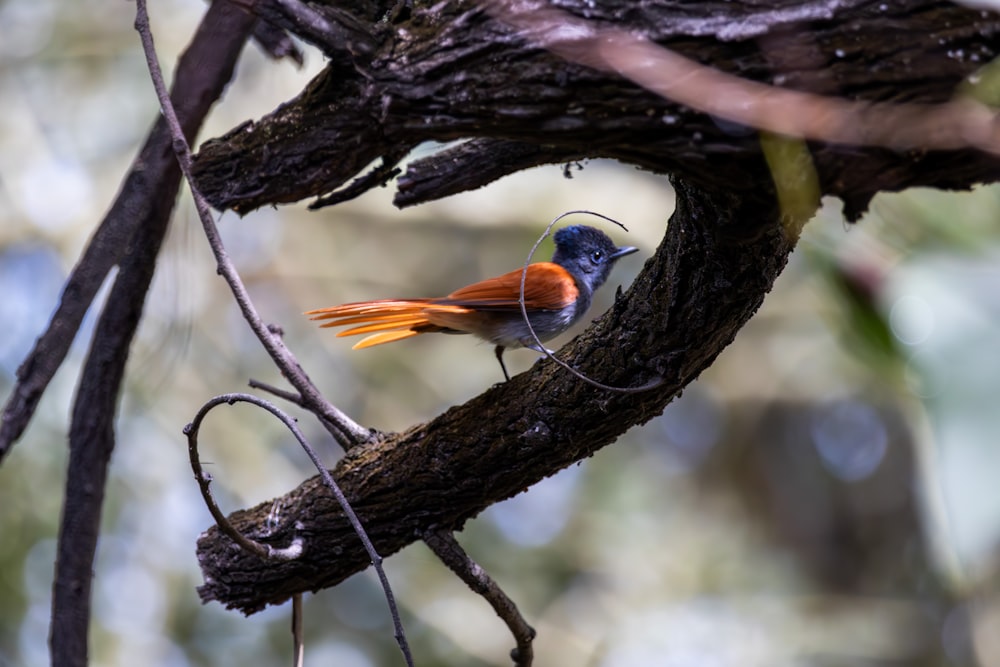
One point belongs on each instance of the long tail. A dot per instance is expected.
(388, 319)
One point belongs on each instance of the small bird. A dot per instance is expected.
(556, 295)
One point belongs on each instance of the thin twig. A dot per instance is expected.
(191, 430)
(296, 398)
(349, 432)
(444, 545)
(298, 639)
(524, 312)
(289, 396)
(377, 177)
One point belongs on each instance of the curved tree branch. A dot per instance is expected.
(453, 71)
(720, 249)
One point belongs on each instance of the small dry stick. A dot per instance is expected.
(298, 640)
(446, 547)
(378, 176)
(290, 396)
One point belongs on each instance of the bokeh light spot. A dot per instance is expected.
(54, 193)
(535, 518)
(851, 439)
(25, 27)
(32, 277)
(911, 319)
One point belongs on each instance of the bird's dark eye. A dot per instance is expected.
(597, 256)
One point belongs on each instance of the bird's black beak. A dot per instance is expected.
(624, 250)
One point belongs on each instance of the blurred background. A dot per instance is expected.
(824, 495)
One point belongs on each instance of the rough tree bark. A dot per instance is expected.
(451, 72)
(454, 70)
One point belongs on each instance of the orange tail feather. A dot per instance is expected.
(385, 337)
(390, 319)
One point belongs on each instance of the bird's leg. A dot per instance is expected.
(499, 352)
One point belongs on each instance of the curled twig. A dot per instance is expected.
(294, 550)
(266, 551)
(524, 312)
(444, 545)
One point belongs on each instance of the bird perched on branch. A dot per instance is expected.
(556, 295)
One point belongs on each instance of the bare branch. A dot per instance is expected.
(289, 396)
(91, 441)
(378, 176)
(446, 547)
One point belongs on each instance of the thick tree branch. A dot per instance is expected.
(473, 164)
(451, 71)
(466, 71)
(91, 441)
(720, 249)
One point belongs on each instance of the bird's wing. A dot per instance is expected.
(547, 286)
